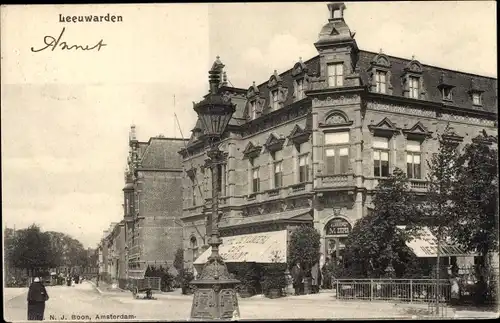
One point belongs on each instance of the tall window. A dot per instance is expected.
(303, 168)
(335, 74)
(193, 244)
(253, 109)
(446, 93)
(413, 87)
(381, 81)
(255, 180)
(299, 89)
(381, 157)
(278, 174)
(476, 98)
(220, 182)
(193, 192)
(337, 152)
(127, 205)
(275, 101)
(413, 159)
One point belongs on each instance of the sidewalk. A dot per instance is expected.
(13, 292)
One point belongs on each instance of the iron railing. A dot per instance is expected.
(405, 290)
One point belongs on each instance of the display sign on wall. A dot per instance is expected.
(338, 227)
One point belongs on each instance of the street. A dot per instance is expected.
(83, 302)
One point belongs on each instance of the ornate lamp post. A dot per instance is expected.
(214, 294)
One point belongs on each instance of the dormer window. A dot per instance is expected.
(275, 100)
(476, 98)
(446, 92)
(380, 74)
(381, 81)
(414, 87)
(446, 87)
(299, 89)
(335, 74)
(277, 92)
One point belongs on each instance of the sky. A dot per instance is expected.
(66, 115)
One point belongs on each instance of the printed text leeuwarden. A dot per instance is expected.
(90, 18)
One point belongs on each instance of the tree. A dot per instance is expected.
(304, 247)
(32, 250)
(439, 206)
(375, 241)
(179, 260)
(476, 199)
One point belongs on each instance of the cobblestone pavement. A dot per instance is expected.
(85, 303)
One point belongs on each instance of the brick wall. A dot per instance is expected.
(161, 205)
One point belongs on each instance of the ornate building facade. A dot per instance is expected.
(309, 145)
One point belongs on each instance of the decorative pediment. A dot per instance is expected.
(381, 60)
(253, 91)
(299, 69)
(275, 80)
(251, 150)
(384, 128)
(418, 131)
(274, 143)
(337, 119)
(451, 137)
(298, 135)
(414, 66)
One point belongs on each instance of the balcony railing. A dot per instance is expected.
(418, 184)
(336, 181)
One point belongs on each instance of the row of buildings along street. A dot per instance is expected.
(307, 146)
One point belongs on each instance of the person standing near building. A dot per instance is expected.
(316, 278)
(37, 296)
(298, 278)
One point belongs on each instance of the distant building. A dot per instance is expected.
(152, 202)
(309, 145)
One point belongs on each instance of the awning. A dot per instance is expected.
(424, 245)
(257, 247)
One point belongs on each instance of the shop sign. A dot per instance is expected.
(338, 226)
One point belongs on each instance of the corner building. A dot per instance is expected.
(152, 207)
(309, 145)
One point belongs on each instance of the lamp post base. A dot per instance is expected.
(214, 293)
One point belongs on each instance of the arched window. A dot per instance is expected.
(193, 245)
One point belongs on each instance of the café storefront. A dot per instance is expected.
(336, 232)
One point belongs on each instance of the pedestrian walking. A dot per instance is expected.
(298, 278)
(37, 296)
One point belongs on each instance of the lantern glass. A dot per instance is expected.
(215, 118)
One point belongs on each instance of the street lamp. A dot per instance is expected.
(214, 293)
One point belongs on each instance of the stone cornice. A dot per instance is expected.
(277, 117)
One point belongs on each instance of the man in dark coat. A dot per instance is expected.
(298, 278)
(37, 296)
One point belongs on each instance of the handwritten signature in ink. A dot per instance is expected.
(54, 43)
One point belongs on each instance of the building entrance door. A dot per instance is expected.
(336, 232)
